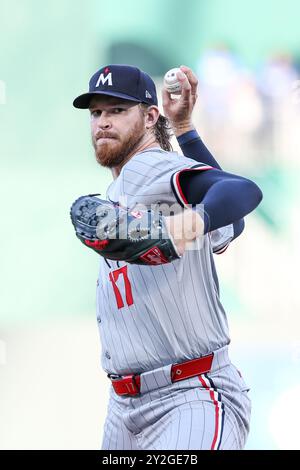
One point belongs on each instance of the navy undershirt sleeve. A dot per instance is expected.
(193, 147)
(225, 197)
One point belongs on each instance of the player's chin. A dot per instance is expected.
(107, 158)
(103, 161)
(104, 147)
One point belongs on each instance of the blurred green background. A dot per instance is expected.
(48, 53)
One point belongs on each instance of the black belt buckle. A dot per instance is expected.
(114, 377)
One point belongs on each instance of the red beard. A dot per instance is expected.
(114, 152)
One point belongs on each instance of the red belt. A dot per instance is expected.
(130, 384)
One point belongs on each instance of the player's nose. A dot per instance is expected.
(103, 121)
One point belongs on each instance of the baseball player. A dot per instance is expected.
(163, 329)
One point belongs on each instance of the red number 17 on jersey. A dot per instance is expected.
(114, 276)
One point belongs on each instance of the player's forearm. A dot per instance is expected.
(193, 147)
(182, 128)
(229, 201)
(238, 228)
(226, 198)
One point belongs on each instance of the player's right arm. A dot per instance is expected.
(179, 113)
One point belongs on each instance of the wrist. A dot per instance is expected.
(182, 127)
(188, 137)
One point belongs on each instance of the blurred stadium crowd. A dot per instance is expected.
(249, 114)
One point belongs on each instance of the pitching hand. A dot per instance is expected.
(179, 110)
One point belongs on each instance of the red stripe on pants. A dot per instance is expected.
(211, 393)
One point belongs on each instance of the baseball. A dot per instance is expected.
(171, 82)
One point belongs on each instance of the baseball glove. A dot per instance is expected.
(117, 233)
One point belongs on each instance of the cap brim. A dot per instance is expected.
(83, 101)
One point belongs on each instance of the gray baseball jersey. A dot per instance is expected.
(151, 317)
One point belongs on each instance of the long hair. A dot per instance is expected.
(162, 130)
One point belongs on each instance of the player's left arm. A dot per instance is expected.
(193, 147)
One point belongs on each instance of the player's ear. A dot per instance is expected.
(151, 117)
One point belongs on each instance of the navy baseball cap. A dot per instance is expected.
(121, 81)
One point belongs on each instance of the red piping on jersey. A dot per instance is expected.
(188, 169)
(179, 188)
(222, 250)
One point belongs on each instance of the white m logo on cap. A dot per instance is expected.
(102, 79)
